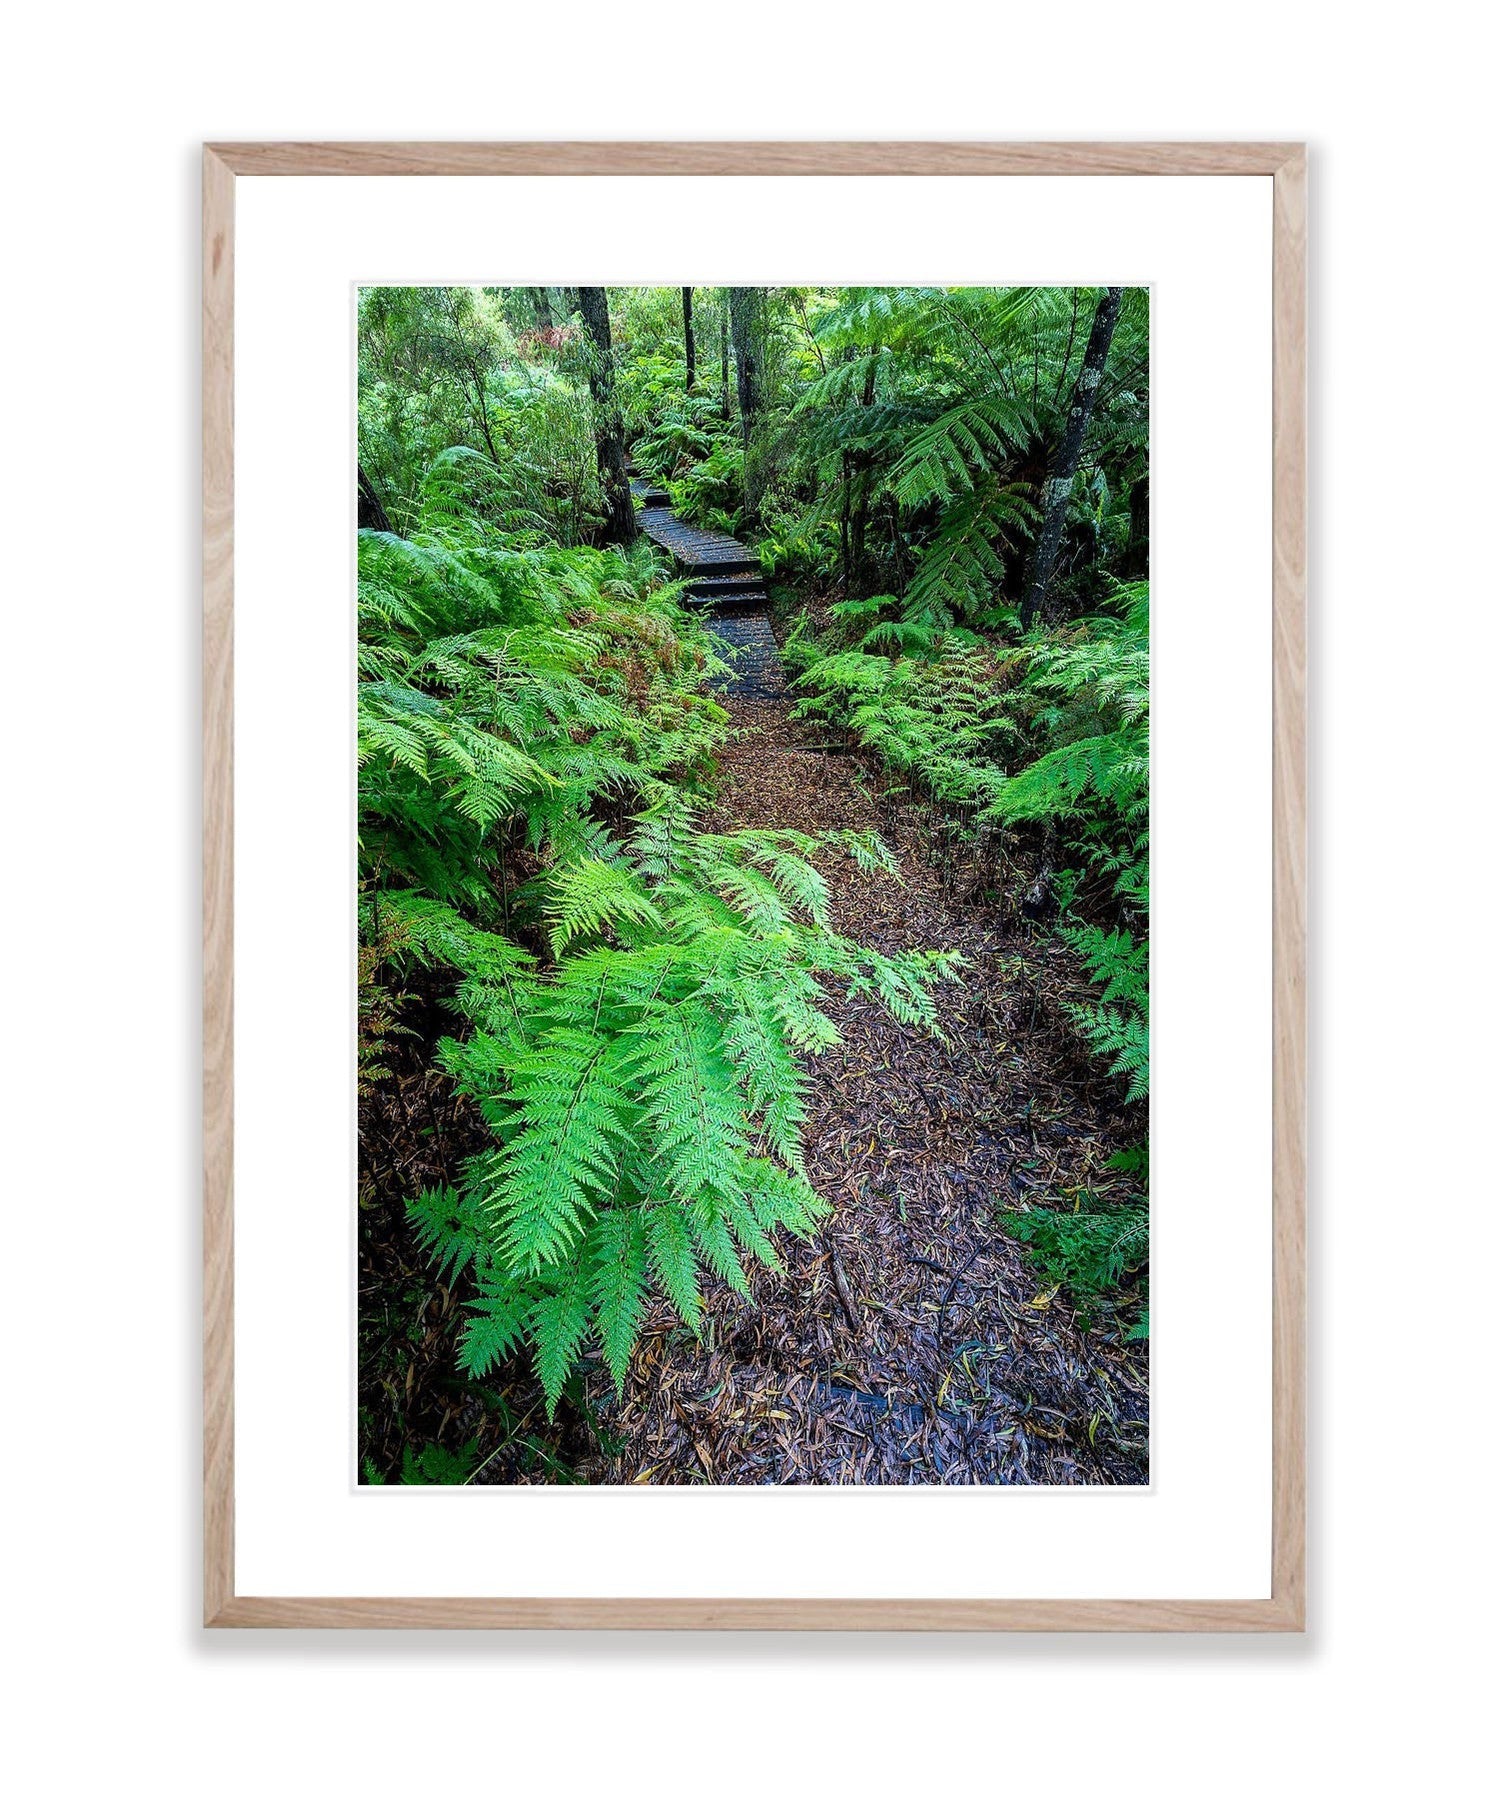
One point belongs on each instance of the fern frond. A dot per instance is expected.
(591, 895)
(497, 1326)
(450, 1229)
(669, 1245)
(617, 1251)
(558, 1324)
(571, 1097)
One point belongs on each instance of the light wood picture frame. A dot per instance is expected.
(1285, 163)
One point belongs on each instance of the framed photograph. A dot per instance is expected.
(740, 682)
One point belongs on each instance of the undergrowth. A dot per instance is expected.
(632, 994)
(1044, 738)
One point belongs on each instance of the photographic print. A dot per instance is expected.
(753, 885)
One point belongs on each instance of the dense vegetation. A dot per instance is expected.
(948, 490)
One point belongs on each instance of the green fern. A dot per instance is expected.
(634, 998)
(1097, 1244)
(640, 1074)
(646, 1091)
(433, 1466)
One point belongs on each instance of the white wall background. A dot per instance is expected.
(98, 380)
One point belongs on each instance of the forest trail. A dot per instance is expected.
(725, 580)
(522, 1284)
(907, 1342)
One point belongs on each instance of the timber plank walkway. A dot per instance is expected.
(724, 578)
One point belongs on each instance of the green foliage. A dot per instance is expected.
(1087, 699)
(1098, 1245)
(635, 993)
(509, 692)
(633, 996)
(644, 1086)
(926, 431)
(434, 1466)
(1116, 1025)
(452, 402)
(1053, 732)
(711, 492)
(1089, 1250)
(931, 705)
(686, 430)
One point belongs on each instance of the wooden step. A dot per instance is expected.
(731, 602)
(749, 646)
(728, 590)
(698, 552)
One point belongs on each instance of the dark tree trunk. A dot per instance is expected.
(541, 302)
(608, 428)
(1137, 550)
(744, 324)
(723, 358)
(1062, 467)
(687, 333)
(372, 514)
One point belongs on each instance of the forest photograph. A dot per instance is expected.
(753, 885)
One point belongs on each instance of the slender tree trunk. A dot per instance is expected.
(1137, 550)
(608, 427)
(845, 547)
(744, 323)
(1062, 468)
(541, 304)
(476, 374)
(372, 513)
(687, 333)
(860, 461)
(723, 357)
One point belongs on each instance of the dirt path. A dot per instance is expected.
(908, 1343)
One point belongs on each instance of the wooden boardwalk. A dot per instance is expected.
(724, 579)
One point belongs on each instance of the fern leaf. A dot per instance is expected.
(669, 1244)
(558, 1324)
(617, 1247)
(495, 1330)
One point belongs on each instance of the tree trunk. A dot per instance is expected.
(372, 514)
(744, 324)
(1137, 550)
(541, 304)
(608, 427)
(860, 463)
(687, 333)
(1062, 468)
(723, 357)
(476, 374)
(845, 511)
